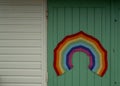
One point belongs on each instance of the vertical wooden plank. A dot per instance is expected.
(115, 48)
(50, 50)
(116, 13)
(107, 17)
(60, 36)
(55, 31)
(106, 42)
(76, 60)
(112, 44)
(98, 36)
(118, 50)
(91, 75)
(68, 31)
(83, 56)
(117, 63)
(103, 41)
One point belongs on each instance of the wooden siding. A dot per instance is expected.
(115, 30)
(93, 17)
(22, 43)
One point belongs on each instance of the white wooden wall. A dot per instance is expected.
(22, 43)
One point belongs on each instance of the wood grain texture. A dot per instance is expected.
(68, 17)
(22, 43)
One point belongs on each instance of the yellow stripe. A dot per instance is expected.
(74, 39)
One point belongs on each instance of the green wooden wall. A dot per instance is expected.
(99, 18)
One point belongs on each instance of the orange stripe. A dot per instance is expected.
(90, 41)
(102, 62)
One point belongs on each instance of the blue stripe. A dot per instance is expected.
(83, 47)
(87, 45)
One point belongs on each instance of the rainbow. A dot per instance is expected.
(81, 42)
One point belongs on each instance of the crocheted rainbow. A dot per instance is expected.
(81, 42)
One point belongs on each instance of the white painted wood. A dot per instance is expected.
(21, 2)
(20, 43)
(20, 58)
(20, 65)
(17, 36)
(20, 51)
(23, 41)
(20, 79)
(2, 84)
(20, 28)
(22, 8)
(21, 72)
(20, 21)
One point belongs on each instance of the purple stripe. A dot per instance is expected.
(82, 50)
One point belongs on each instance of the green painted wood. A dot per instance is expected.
(60, 35)
(98, 32)
(76, 28)
(112, 45)
(55, 25)
(83, 58)
(68, 30)
(116, 16)
(114, 42)
(118, 50)
(66, 18)
(105, 40)
(80, 3)
(50, 50)
(91, 76)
